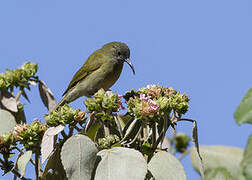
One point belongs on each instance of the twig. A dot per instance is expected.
(154, 133)
(183, 155)
(64, 134)
(118, 125)
(106, 129)
(36, 166)
(19, 94)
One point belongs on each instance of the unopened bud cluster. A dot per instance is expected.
(155, 100)
(29, 135)
(65, 115)
(19, 77)
(108, 141)
(103, 104)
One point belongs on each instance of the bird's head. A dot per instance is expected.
(120, 51)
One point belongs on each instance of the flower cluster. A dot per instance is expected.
(103, 101)
(103, 104)
(20, 77)
(29, 135)
(156, 100)
(108, 141)
(65, 115)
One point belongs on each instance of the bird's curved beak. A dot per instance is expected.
(130, 64)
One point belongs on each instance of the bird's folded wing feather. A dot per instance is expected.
(93, 63)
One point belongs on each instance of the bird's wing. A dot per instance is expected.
(93, 63)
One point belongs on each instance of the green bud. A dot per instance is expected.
(32, 136)
(108, 141)
(19, 77)
(103, 101)
(181, 142)
(64, 115)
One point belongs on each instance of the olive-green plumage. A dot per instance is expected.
(101, 70)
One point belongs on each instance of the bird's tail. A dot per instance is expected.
(61, 103)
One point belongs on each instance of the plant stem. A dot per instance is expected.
(118, 125)
(36, 166)
(183, 155)
(106, 129)
(145, 132)
(154, 133)
(19, 94)
(64, 134)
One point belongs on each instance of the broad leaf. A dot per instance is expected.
(47, 144)
(46, 96)
(93, 129)
(7, 122)
(247, 160)
(219, 156)
(121, 163)
(78, 157)
(22, 161)
(243, 113)
(8, 101)
(218, 174)
(164, 165)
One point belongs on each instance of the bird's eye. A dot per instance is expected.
(119, 54)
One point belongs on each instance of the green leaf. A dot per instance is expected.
(132, 131)
(219, 156)
(247, 160)
(22, 161)
(164, 165)
(123, 119)
(78, 157)
(218, 174)
(121, 163)
(92, 131)
(243, 113)
(7, 122)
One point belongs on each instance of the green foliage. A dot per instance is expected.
(218, 173)
(219, 157)
(164, 166)
(78, 156)
(154, 102)
(64, 115)
(103, 101)
(243, 113)
(112, 145)
(120, 163)
(30, 135)
(7, 122)
(247, 160)
(181, 142)
(19, 77)
(108, 141)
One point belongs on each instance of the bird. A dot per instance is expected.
(101, 70)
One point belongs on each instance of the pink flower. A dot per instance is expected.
(120, 102)
(144, 97)
(153, 107)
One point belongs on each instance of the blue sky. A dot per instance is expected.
(202, 48)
